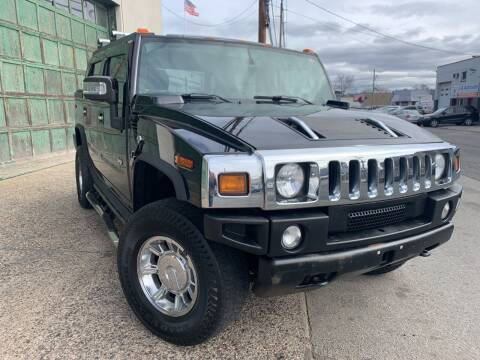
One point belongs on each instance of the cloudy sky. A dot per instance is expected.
(346, 48)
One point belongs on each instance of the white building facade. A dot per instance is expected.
(458, 84)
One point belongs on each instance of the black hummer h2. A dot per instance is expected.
(221, 168)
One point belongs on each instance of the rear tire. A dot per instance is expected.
(83, 178)
(385, 269)
(221, 274)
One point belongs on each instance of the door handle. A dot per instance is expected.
(84, 111)
(100, 118)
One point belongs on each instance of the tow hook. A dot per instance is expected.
(425, 253)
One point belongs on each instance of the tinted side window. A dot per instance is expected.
(118, 69)
(97, 69)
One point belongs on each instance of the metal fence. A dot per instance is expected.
(43, 57)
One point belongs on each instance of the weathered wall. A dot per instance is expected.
(131, 16)
(43, 56)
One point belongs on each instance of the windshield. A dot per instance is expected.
(229, 70)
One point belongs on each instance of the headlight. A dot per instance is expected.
(290, 180)
(439, 166)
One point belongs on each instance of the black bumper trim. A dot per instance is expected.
(260, 232)
(279, 276)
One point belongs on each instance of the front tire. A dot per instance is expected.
(468, 122)
(434, 123)
(181, 287)
(83, 178)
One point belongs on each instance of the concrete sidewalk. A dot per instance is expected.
(60, 296)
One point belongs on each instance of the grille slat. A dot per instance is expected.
(376, 218)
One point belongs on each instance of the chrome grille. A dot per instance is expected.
(372, 178)
(354, 175)
(375, 218)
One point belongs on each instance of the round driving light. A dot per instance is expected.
(290, 179)
(446, 210)
(439, 166)
(292, 237)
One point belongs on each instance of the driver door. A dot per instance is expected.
(114, 162)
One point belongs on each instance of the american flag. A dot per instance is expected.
(190, 8)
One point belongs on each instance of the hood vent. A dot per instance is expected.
(380, 125)
(300, 126)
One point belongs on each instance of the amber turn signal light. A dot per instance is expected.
(233, 184)
(456, 163)
(184, 162)
(143, 31)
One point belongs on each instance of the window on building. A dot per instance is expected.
(62, 4)
(464, 76)
(101, 15)
(89, 11)
(76, 8)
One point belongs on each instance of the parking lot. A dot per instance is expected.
(60, 296)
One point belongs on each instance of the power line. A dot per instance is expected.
(334, 29)
(383, 34)
(230, 21)
(273, 21)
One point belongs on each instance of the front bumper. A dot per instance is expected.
(286, 275)
(328, 248)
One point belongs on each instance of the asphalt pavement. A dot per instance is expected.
(60, 296)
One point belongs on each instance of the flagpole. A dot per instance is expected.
(184, 21)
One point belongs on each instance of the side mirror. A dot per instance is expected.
(100, 88)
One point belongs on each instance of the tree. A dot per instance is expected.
(343, 83)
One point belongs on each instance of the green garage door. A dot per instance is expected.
(44, 47)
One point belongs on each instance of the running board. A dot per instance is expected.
(106, 217)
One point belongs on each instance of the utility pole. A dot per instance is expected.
(373, 89)
(281, 40)
(262, 22)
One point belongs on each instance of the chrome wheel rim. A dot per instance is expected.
(167, 276)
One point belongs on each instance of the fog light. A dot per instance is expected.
(446, 210)
(291, 238)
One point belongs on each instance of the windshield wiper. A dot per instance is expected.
(201, 96)
(280, 98)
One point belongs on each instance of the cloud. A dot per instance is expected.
(414, 8)
(308, 30)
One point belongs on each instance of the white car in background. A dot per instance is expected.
(387, 109)
(410, 115)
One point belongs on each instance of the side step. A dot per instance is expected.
(101, 209)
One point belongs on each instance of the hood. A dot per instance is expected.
(273, 126)
(332, 127)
